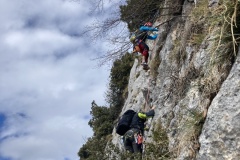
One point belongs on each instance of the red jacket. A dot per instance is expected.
(143, 48)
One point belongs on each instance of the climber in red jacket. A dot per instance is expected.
(143, 48)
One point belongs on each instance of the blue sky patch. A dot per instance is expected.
(2, 120)
(87, 117)
(5, 158)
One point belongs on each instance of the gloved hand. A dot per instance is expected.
(135, 53)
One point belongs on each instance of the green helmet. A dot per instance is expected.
(133, 38)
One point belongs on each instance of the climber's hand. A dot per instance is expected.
(153, 107)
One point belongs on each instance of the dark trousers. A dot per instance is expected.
(140, 147)
(130, 142)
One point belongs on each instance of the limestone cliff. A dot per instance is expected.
(194, 82)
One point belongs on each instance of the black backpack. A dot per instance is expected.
(141, 35)
(125, 122)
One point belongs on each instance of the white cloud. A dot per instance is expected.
(38, 42)
(47, 80)
(51, 139)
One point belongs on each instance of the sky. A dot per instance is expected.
(47, 79)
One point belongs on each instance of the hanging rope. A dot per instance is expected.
(147, 97)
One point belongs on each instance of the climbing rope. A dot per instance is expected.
(147, 95)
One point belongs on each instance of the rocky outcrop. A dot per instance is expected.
(188, 84)
(220, 138)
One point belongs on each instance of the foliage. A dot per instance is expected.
(222, 23)
(131, 12)
(158, 149)
(113, 26)
(101, 123)
(93, 149)
(113, 152)
(189, 130)
(101, 120)
(119, 77)
(136, 12)
(103, 117)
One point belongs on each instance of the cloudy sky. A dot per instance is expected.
(47, 79)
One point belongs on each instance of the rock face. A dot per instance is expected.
(195, 92)
(220, 138)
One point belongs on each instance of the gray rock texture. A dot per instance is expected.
(196, 94)
(220, 138)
